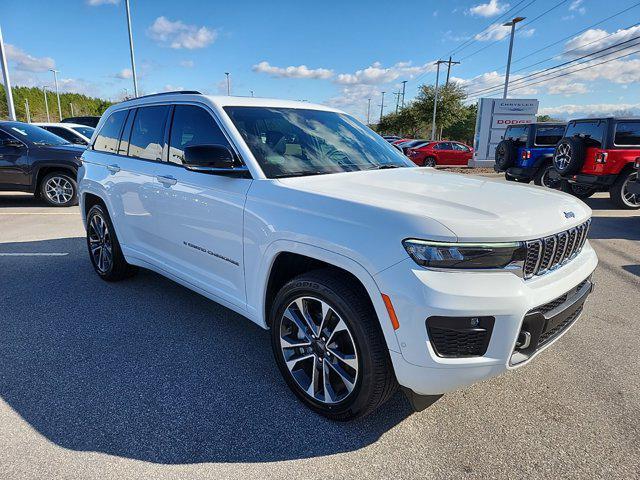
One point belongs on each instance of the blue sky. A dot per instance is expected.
(338, 53)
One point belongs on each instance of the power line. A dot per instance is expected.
(574, 71)
(565, 65)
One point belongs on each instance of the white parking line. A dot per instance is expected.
(39, 213)
(36, 254)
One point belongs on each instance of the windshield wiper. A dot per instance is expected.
(385, 166)
(302, 173)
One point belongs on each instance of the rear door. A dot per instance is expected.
(446, 155)
(14, 170)
(462, 153)
(198, 217)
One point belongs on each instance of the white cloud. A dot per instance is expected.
(576, 7)
(95, 3)
(596, 39)
(567, 89)
(301, 71)
(592, 109)
(498, 31)
(491, 9)
(124, 74)
(376, 74)
(353, 98)
(172, 88)
(180, 35)
(187, 63)
(28, 63)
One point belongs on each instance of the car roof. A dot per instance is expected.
(602, 118)
(63, 125)
(225, 101)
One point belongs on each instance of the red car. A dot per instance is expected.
(441, 153)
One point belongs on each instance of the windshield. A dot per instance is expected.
(86, 131)
(289, 142)
(36, 135)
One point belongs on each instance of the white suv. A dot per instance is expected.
(369, 271)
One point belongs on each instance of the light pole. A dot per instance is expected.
(133, 60)
(435, 100)
(7, 82)
(26, 108)
(404, 85)
(511, 24)
(46, 102)
(368, 111)
(228, 84)
(55, 81)
(382, 107)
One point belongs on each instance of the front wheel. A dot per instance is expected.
(329, 346)
(59, 189)
(620, 193)
(547, 176)
(580, 191)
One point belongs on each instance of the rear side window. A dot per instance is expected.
(63, 133)
(592, 132)
(460, 147)
(627, 134)
(147, 133)
(192, 126)
(550, 135)
(519, 133)
(443, 146)
(107, 139)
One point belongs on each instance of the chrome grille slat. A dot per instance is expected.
(548, 253)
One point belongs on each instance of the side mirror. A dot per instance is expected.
(208, 158)
(10, 142)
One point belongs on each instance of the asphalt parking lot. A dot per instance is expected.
(146, 379)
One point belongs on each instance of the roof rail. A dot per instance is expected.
(184, 92)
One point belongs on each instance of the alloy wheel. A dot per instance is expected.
(550, 178)
(631, 199)
(430, 162)
(58, 190)
(563, 156)
(318, 350)
(100, 245)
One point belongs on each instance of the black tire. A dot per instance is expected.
(568, 156)
(117, 267)
(506, 153)
(374, 382)
(55, 187)
(547, 176)
(430, 162)
(619, 193)
(579, 191)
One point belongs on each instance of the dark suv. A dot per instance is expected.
(597, 154)
(36, 161)
(526, 153)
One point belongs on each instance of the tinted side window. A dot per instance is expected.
(61, 132)
(107, 139)
(192, 126)
(460, 147)
(628, 134)
(592, 132)
(147, 134)
(444, 146)
(549, 135)
(517, 133)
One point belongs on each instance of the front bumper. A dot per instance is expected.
(603, 182)
(418, 294)
(521, 173)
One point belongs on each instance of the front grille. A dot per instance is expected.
(547, 307)
(460, 336)
(548, 253)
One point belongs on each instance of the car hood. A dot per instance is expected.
(474, 208)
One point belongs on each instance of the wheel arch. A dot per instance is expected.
(44, 170)
(292, 259)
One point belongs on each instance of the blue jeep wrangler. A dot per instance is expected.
(526, 153)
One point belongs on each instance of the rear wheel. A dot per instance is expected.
(620, 194)
(59, 189)
(329, 347)
(104, 249)
(577, 190)
(430, 162)
(547, 176)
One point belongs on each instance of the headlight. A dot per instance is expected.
(466, 255)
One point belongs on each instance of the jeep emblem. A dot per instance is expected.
(569, 215)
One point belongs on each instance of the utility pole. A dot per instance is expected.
(382, 106)
(26, 108)
(71, 108)
(7, 82)
(404, 85)
(435, 100)
(511, 24)
(55, 82)
(397, 94)
(228, 84)
(368, 111)
(133, 59)
(46, 102)
(449, 63)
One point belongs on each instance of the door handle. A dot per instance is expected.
(113, 168)
(167, 181)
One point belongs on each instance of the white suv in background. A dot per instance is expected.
(369, 271)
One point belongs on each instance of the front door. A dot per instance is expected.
(198, 217)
